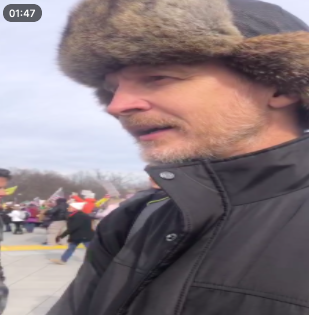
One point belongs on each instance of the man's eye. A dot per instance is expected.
(157, 78)
(104, 96)
(108, 87)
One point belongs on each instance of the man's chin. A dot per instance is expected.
(164, 155)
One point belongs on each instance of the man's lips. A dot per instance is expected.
(144, 131)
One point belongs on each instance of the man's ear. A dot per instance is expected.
(280, 100)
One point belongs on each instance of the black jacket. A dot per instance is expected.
(59, 212)
(79, 228)
(231, 239)
(5, 216)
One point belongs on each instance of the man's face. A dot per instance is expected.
(177, 113)
(71, 209)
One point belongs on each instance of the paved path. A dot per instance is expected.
(35, 284)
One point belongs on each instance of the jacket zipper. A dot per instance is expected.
(183, 293)
(152, 274)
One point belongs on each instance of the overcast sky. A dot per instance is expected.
(49, 122)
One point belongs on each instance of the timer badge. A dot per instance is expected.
(22, 13)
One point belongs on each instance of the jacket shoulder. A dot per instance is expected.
(114, 228)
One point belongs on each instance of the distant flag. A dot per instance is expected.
(11, 190)
(110, 188)
(100, 202)
(56, 195)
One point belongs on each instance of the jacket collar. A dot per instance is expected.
(248, 178)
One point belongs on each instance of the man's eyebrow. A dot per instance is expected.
(109, 85)
(111, 81)
(165, 69)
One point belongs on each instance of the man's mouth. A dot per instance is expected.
(145, 131)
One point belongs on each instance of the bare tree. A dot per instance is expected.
(124, 183)
(34, 183)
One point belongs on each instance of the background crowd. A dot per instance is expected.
(52, 215)
(68, 220)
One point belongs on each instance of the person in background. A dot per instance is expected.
(100, 213)
(7, 219)
(5, 176)
(89, 201)
(45, 219)
(33, 218)
(2, 213)
(110, 206)
(25, 214)
(113, 204)
(18, 217)
(58, 216)
(96, 216)
(79, 229)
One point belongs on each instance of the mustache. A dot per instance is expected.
(129, 122)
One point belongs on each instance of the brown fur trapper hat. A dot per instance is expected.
(257, 38)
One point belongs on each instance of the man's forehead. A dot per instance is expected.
(132, 71)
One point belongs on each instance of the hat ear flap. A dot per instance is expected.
(281, 60)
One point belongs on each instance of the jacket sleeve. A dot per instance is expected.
(52, 211)
(64, 234)
(109, 238)
(76, 300)
(73, 224)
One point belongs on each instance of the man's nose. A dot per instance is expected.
(125, 103)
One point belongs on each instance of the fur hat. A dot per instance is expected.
(257, 38)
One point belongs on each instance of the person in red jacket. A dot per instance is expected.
(89, 202)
